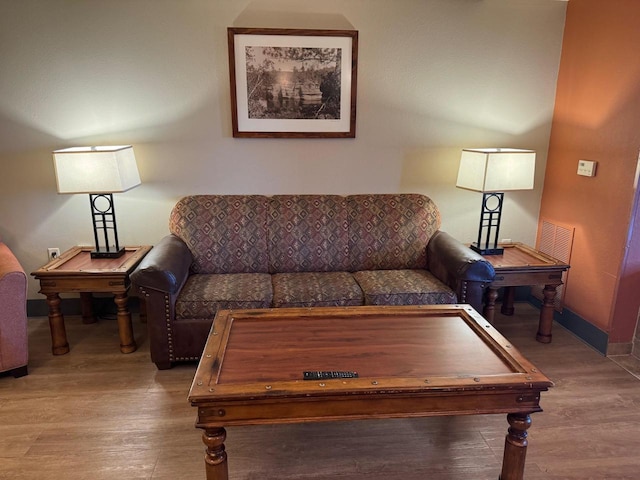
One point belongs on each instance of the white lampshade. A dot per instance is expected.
(96, 169)
(496, 169)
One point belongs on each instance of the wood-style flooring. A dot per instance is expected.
(101, 415)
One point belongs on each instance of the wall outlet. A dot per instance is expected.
(53, 253)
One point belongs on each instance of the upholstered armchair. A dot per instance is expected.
(14, 351)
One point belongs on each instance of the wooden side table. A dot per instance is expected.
(76, 271)
(521, 265)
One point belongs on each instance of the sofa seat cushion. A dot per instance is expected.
(315, 289)
(204, 294)
(403, 287)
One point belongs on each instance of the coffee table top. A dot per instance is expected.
(260, 355)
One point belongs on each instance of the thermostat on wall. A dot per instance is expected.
(587, 168)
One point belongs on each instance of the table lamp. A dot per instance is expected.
(100, 172)
(493, 171)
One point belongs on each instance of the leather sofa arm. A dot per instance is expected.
(462, 269)
(448, 256)
(165, 267)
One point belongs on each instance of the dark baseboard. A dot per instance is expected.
(577, 325)
(102, 306)
(39, 308)
(587, 332)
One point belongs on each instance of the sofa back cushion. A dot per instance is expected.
(308, 233)
(305, 233)
(225, 233)
(390, 231)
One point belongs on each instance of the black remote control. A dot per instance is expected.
(328, 375)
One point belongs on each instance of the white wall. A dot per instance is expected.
(434, 76)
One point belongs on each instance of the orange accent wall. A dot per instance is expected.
(597, 117)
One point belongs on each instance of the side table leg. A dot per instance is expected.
(515, 447)
(507, 301)
(59, 344)
(125, 327)
(215, 458)
(490, 304)
(87, 308)
(546, 314)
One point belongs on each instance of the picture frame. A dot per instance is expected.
(293, 83)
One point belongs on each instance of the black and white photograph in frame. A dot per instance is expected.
(293, 83)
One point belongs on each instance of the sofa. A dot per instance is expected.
(255, 251)
(14, 345)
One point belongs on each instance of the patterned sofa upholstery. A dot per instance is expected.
(253, 251)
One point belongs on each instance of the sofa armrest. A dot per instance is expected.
(166, 267)
(8, 262)
(14, 347)
(462, 269)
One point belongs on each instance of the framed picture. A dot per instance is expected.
(293, 83)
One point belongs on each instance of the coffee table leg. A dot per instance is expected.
(490, 304)
(546, 314)
(59, 344)
(215, 458)
(515, 446)
(125, 327)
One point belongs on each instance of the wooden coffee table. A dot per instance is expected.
(521, 265)
(76, 271)
(412, 362)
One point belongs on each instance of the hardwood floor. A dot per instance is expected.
(98, 414)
